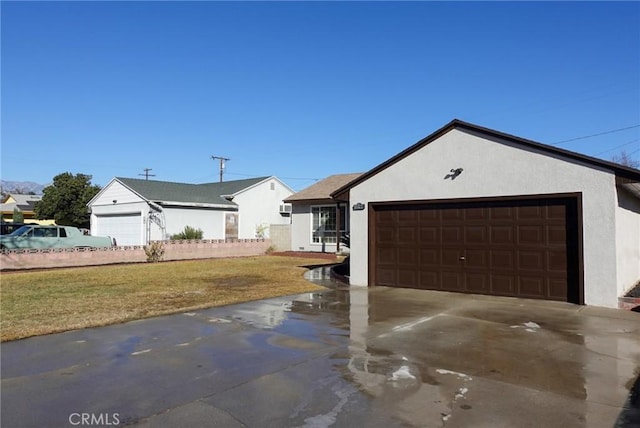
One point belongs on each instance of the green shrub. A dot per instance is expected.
(188, 233)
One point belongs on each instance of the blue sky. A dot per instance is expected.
(303, 90)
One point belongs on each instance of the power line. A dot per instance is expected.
(284, 178)
(596, 135)
(617, 147)
(633, 152)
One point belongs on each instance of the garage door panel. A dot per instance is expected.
(531, 287)
(452, 214)
(429, 257)
(429, 216)
(476, 259)
(556, 235)
(558, 289)
(503, 260)
(478, 214)
(557, 261)
(504, 285)
(452, 235)
(387, 276)
(429, 236)
(502, 235)
(530, 260)
(477, 283)
(510, 247)
(408, 278)
(386, 235)
(452, 281)
(386, 256)
(408, 216)
(407, 235)
(502, 213)
(386, 216)
(557, 212)
(450, 258)
(430, 280)
(530, 212)
(476, 235)
(530, 235)
(408, 256)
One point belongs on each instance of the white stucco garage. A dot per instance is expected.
(475, 210)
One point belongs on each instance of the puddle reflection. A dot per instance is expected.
(431, 358)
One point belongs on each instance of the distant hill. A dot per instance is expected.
(22, 187)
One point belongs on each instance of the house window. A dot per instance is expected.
(324, 224)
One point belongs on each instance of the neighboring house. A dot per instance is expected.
(474, 210)
(136, 211)
(23, 203)
(315, 216)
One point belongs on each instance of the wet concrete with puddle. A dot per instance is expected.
(343, 357)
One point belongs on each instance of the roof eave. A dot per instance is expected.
(196, 205)
(620, 171)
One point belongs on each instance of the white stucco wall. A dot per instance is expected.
(302, 230)
(497, 169)
(260, 206)
(628, 240)
(210, 221)
(300, 227)
(115, 199)
(114, 194)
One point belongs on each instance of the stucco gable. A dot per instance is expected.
(622, 173)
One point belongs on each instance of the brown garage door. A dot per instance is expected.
(516, 247)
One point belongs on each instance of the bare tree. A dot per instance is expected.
(624, 158)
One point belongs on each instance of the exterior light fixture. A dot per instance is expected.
(453, 173)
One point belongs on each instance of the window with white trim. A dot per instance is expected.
(323, 225)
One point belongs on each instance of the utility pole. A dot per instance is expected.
(222, 161)
(146, 173)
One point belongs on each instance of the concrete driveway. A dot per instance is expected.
(375, 357)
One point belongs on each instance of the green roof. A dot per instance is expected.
(188, 194)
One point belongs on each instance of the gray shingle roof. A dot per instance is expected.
(208, 193)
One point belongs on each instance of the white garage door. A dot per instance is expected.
(125, 228)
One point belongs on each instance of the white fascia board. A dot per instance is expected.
(196, 205)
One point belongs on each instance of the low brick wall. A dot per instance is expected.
(174, 250)
(628, 302)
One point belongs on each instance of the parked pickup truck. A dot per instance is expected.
(40, 237)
